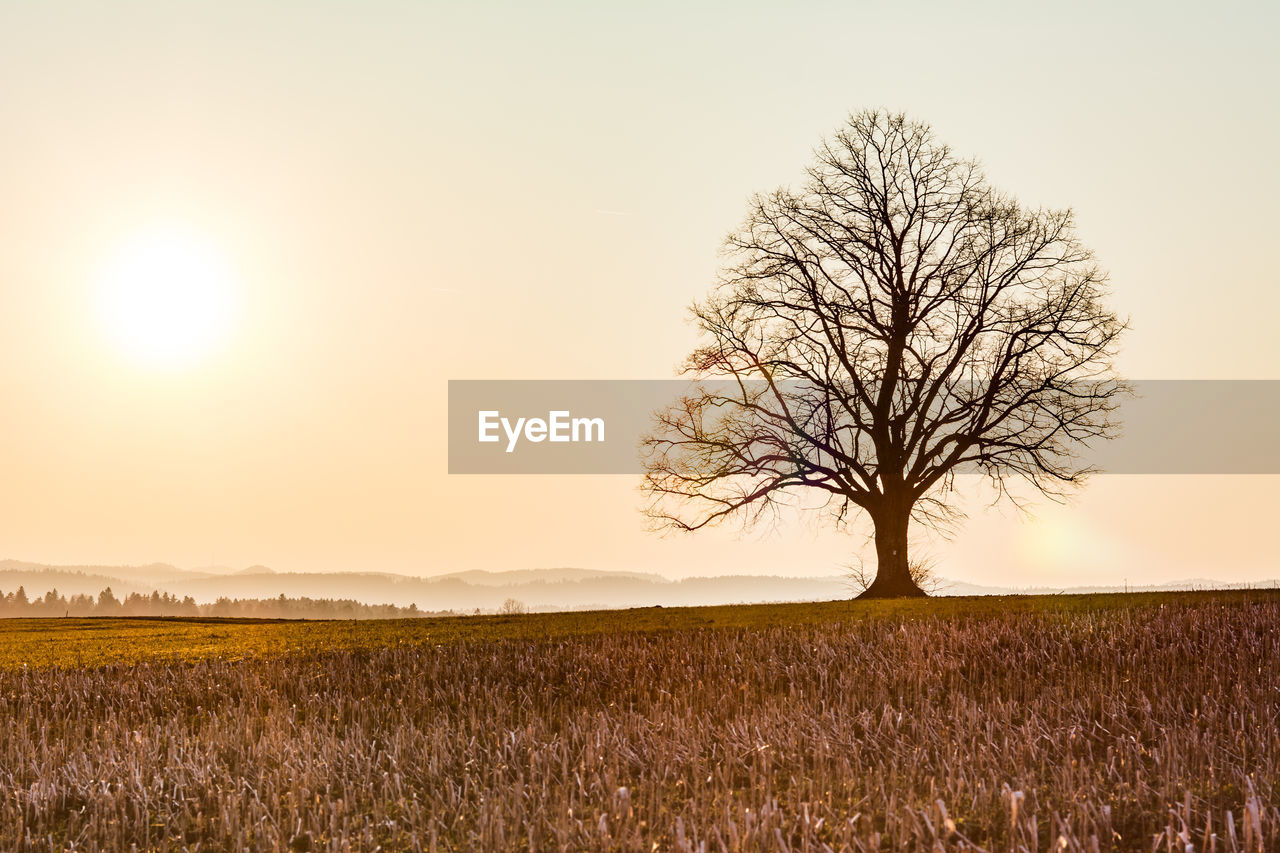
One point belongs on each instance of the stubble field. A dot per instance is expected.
(1060, 723)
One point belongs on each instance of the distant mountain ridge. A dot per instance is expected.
(515, 576)
(562, 588)
(961, 588)
(551, 588)
(147, 572)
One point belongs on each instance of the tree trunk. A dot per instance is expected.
(893, 577)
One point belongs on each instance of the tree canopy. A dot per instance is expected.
(891, 322)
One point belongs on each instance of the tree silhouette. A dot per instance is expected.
(890, 323)
(107, 602)
(165, 604)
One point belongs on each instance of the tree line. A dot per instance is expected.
(51, 604)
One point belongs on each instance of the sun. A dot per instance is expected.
(166, 298)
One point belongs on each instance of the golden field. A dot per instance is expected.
(1117, 722)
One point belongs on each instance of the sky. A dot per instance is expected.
(399, 194)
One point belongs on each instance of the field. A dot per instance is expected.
(1142, 722)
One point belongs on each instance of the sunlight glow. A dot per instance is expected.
(166, 298)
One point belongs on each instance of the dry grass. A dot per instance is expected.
(1133, 724)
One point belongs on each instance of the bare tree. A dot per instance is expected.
(513, 607)
(890, 323)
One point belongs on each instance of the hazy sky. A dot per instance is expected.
(404, 193)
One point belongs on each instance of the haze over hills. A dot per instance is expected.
(149, 573)
(543, 589)
(556, 588)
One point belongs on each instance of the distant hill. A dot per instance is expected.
(39, 580)
(148, 574)
(544, 589)
(959, 588)
(538, 589)
(483, 578)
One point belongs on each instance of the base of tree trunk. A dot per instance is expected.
(892, 588)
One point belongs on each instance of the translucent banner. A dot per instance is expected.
(596, 426)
